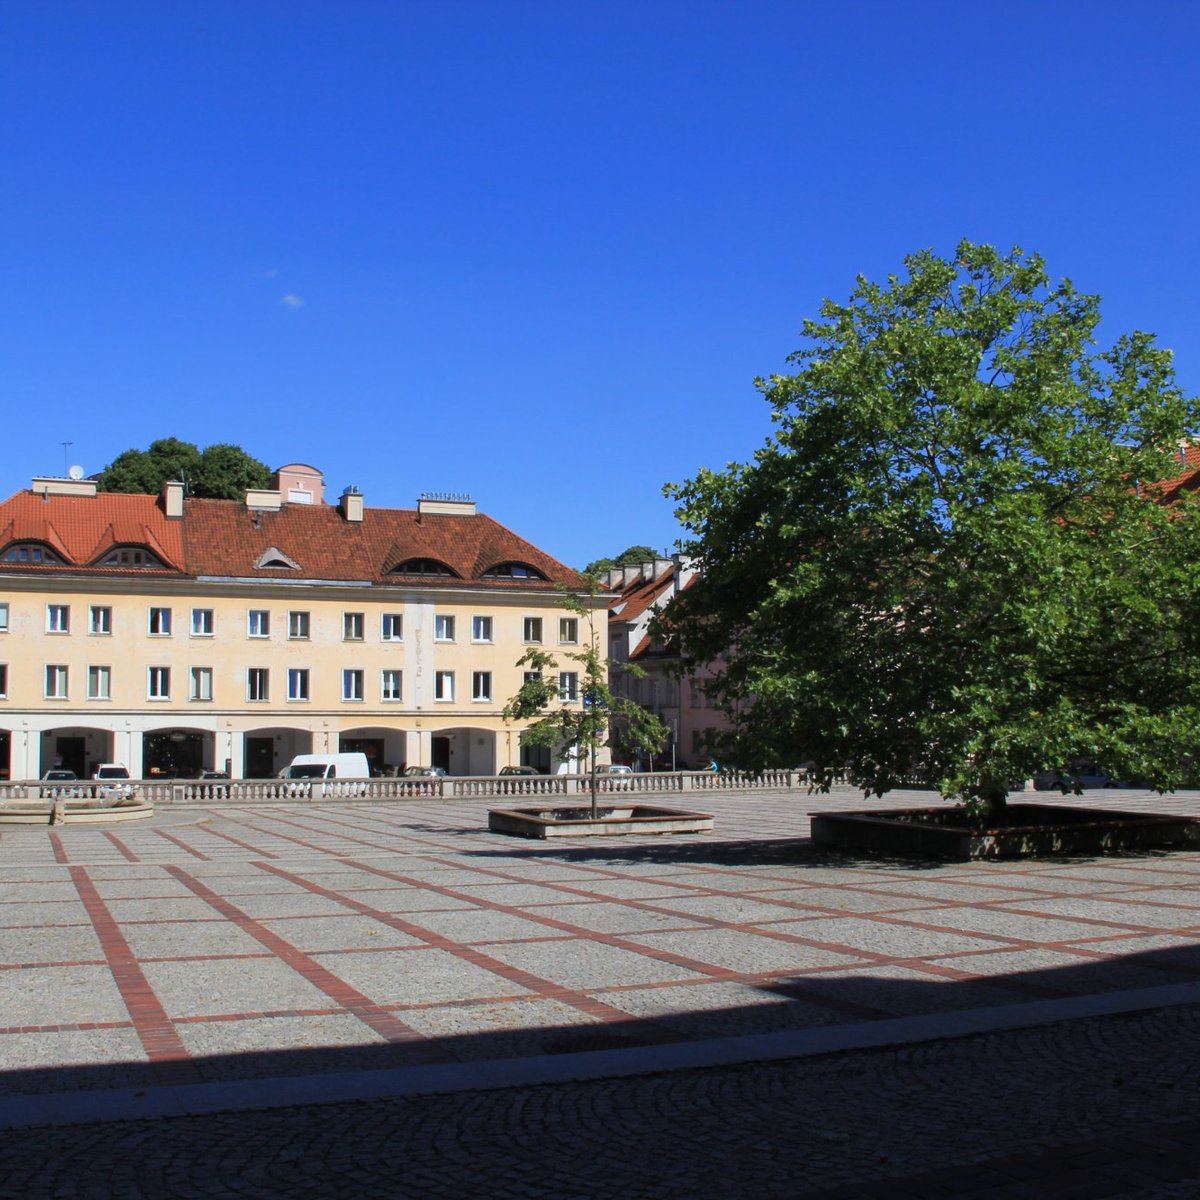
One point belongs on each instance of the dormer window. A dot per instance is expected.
(30, 552)
(130, 556)
(513, 570)
(422, 566)
(274, 558)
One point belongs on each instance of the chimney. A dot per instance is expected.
(172, 498)
(448, 504)
(351, 504)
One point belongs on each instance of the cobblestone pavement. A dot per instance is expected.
(225, 951)
(1100, 1108)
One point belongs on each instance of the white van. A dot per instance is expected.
(339, 774)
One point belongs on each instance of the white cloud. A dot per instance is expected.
(291, 300)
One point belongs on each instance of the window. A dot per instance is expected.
(390, 685)
(160, 622)
(533, 629)
(99, 683)
(258, 623)
(391, 627)
(568, 630)
(352, 685)
(532, 677)
(352, 627)
(130, 556)
(298, 626)
(56, 683)
(298, 682)
(443, 685)
(481, 629)
(200, 684)
(568, 685)
(421, 566)
(443, 629)
(512, 570)
(3, 680)
(258, 683)
(202, 622)
(481, 685)
(158, 683)
(100, 620)
(58, 618)
(4, 618)
(30, 554)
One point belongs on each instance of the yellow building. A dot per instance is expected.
(175, 634)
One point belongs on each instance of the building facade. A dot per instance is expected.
(176, 634)
(638, 592)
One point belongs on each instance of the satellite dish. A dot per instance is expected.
(76, 472)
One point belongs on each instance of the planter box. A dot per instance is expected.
(613, 821)
(1032, 829)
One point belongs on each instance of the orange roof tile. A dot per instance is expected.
(224, 538)
(79, 528)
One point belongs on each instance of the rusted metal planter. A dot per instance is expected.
(1032, 829)
(612, 821)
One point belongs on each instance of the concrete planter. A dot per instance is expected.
(612, 821)
(1032, 829)
(74, 812)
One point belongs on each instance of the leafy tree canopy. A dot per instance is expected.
(634, 554)
(219, 472)
(948, 561)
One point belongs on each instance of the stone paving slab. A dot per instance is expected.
(346, 942)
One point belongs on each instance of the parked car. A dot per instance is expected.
(112, 781)
(423, 772)
(519, 771)
(1078, 775)
(613, 769)
(61, 778)
(214, 774)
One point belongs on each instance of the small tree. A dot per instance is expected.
(951, 560)
(591, 725)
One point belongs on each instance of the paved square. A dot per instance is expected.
(242, 943)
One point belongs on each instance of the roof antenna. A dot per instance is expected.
(67, 458)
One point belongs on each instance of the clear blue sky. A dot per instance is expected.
(538, 251)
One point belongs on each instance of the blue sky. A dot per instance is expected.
(538, 251)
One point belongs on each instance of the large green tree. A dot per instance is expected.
(220, 472)
(952, 560)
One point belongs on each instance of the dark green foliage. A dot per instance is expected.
(220, 472)
(948, 560)
(634, 554)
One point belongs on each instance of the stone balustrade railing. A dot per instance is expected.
(164, 793)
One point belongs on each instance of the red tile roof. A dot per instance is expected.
(225, 538)
(79, 529)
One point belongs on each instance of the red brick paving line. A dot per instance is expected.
(121, 847)
(510, 974)
(164, 1049)
(906, 922)
(916, 963)
(350, 999)
(60, 851)
(812, 988)
(178, 841)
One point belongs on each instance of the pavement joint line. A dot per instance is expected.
(195, 1099)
